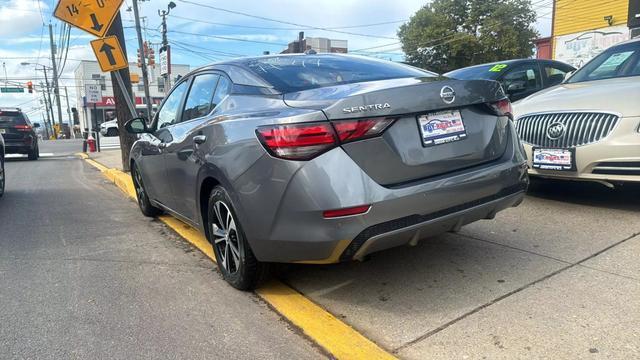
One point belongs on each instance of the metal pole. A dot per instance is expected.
(46, 110)
(165, 48)
(72, 135)
(145, 77)
(56, 89)
(128, 100)
(46, 81)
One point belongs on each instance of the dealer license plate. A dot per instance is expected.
(441, 127)
(554, 159)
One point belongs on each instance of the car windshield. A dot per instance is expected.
(481, 72)
(297, 73)
(615, 62)
(11, 118)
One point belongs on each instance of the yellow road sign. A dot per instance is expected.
(93, 16)
(109, 54)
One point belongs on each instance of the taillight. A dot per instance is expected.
(502, 108)
(358, 129)
(307, 140)
(297, 141)
(22, 127)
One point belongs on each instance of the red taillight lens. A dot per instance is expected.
(358, 129)
(503, 108)
(22, 127)
(356, 210)
(297, 141)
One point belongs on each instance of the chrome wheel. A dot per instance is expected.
(225, 237)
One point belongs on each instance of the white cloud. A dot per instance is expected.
(21, 17)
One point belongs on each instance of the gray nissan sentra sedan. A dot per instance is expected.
(325, 158)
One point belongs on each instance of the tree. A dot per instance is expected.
(449, 34)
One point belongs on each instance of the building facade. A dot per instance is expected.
(582, 29)
(89, 73)
(318, 44)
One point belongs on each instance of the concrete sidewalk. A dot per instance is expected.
(109, 158)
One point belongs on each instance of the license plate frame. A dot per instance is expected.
(554, 159)
(441, 127)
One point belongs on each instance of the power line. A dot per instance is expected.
(282, 21)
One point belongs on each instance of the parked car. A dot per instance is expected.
(588, 128)
(18, 133)
(109, 128)
(519, 78)
(3, 177)
(324, 158)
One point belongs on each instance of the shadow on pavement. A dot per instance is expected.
(623, 197)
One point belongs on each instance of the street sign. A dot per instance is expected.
(92, 16)
(11, 90)
(109, 54)
(93, 93)
(165, 62)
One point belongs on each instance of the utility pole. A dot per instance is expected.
(123, 114)
(46, 108)
(145, 76)
(50, 106)
(56, 90)
(165, 46)
(72, 135)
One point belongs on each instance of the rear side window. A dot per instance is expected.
(297, 73)
(199, 99)
(12, 118)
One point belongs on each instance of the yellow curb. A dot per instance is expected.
(333, 335)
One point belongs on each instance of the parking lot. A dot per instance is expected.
(554, 277)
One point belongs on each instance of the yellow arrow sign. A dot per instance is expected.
(109, 54)
(93, 16)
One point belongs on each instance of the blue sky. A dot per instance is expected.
(222, 34)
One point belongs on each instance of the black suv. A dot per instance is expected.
(18, 133)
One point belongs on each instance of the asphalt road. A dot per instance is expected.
(84, 275)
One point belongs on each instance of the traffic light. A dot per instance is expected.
(152, 58)
(139, 58)
(30, 87)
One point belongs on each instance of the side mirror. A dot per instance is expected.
(137, 126)
(36, 125)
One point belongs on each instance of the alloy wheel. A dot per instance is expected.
(225, 236)
(139, 187)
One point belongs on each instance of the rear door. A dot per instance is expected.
(184, 157)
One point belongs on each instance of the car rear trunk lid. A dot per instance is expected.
(401, 154)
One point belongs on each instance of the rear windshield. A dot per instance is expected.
(297, 73)
(11, 118)
(481, 72)
(617, 61)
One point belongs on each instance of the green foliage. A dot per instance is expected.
(449, 34)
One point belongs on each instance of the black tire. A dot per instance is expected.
(242, 271)
(2, 176)
(143, 199)
(112, 132)
(34, 153)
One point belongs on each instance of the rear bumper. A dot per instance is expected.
(283, 220)
(615, 158)
(17, 147)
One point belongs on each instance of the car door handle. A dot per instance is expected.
(199, 139)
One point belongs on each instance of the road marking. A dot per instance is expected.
(339, 339)
(15, 156)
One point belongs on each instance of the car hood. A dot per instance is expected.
(614, 95)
